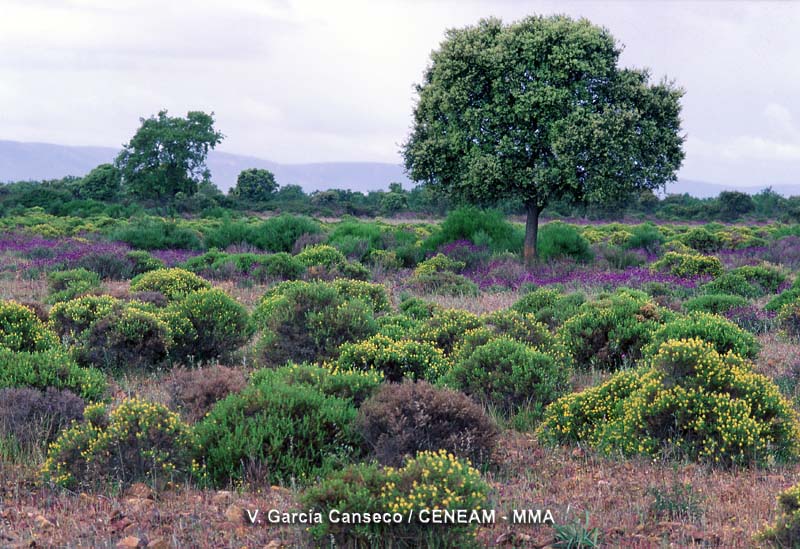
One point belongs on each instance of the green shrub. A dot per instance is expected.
(550, 306)
(483, 227)
(71, 319)
(733, 284)
(402, 419)
(357, 239)
(51, 368)
(645, 236)
(723, 334)
(510, 376)
(128, 339)
(688, 265)
(281, 266)
(308, 321)
(279, 234)
(21, 329)
(431, 480)
(768, 278)
(443, 283)
(173, 283)
(351, 385)
(418, 308)
(138, 441)
(292, 431)
(355, 270)
(66, 285)
(610, 332)
(373, 294)
(688, 401)
(714, 303)
(142, 262)
(702, 240)
(156, 234)
(229, 233)
(437, 264)
(559, 240)
(785, 532)
(219, 325)
(789, 319)
(783, 298)
(321, 255)
(446, 328)
(394, 359)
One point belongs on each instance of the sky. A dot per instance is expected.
(333, 80)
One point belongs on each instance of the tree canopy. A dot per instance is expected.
(167, 155)
(255, 185)
(538, 110)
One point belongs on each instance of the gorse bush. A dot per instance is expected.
(308, 321)
(289, 431)
(510, 376)
(438, 264)
(142, 262)
(394, 359)
(785, 532)
(550, 306)
(688, 265)
(279, 234)
(138, 441)
(321, 255)
(357, 239)
(21, 329)
(66, 285)
(768, 278)
(723, 334)
(788, 296)
(646, 237)
(443, 283)
(132, 339)
(789, 319)
(560, 240)
(446, 328)
(374, 294)
(733, 284)
(690, 401)
(430, 480)
(173, 283)
(714, 303)
(71, 319)
(403, 419)
(52, 368)
(702, 240)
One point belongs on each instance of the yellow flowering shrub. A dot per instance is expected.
(396, 359)
(138, 441)
(689, 400)
(723, 334)
(785, 532)
(789, 319)
(21, 329)
(70, 319)
(51, 368)
(446, 327)
(173, 283)
(432, 480)
(321, 255)
(438, 264)
(688, 264)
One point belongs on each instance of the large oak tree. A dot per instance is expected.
(539, 110)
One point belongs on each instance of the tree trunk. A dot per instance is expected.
(531, 233)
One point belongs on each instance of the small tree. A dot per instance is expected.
(734, 204)
(102, 183)
(538, 110)
(255, 185)
(167, 155)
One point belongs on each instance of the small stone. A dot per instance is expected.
(129, 542)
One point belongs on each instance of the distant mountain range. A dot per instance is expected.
(35, 161)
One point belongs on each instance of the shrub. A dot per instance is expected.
(688, 265)
(33, 418)
(483, 227)
(610, 332)
(783, 298)
(322, 255)
(550, 306)
(394, 359)
(403, 419)
(431, 480)
(510, 376)
(134, 339)
(767, 278)
(437, 264)
(646, 237)
(308, 321)
(194, 392)
(723, 334)
(21, 329)
(443, 283)
(279, 234)
(560, 240)
(281, 266)
(374, 294)
(714, 303)
(219, 325)
(702, 240)
(173, 283)
(520, 327)
(688, 401)
(51, 368)
(66, 285)
(356, 239)
(138, 441)
(446, 328)
(230, 232)
(752, 318)
(785, 532)
(419, 309)
(354, 386)
(71, 319)
(789, 319)
(157, 234)
(733, 284)
(107, 265)
(142, 262)
(293, 431)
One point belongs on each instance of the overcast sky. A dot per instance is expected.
(305, 81)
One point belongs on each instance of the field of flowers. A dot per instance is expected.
(163, 379)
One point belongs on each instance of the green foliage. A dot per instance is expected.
(733, 284)
(443, 283)
(679, 502)
(153, 233)
(485, 227)
(279, 234)
(357, 239)
(430, 480)
(768, 278)
(21, 329)
(714, 303)
(609, 333)
(394, 359)
(645, 236)
(173, 283)
(142, 262)
(52, 368)
(789, 319)
(102, 183)
(281, 266)
(510, 376)
(128, 339)
(293, 431)
(560, 240)
(702, 240)
(577, 535)
(446, 327)
(688, 401)
(734, 204)
(688, 265)
(374, 294)
(354, 386)
(66, 285)
(550, 306)
(784, 298)
(167, 155)
(70, 319)
(437, 264)
(219, 325)
(418, 308)
(785, 532)
(308, 321)
(138, 441)
(723, 334)
(255, 185)
(322, 255)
